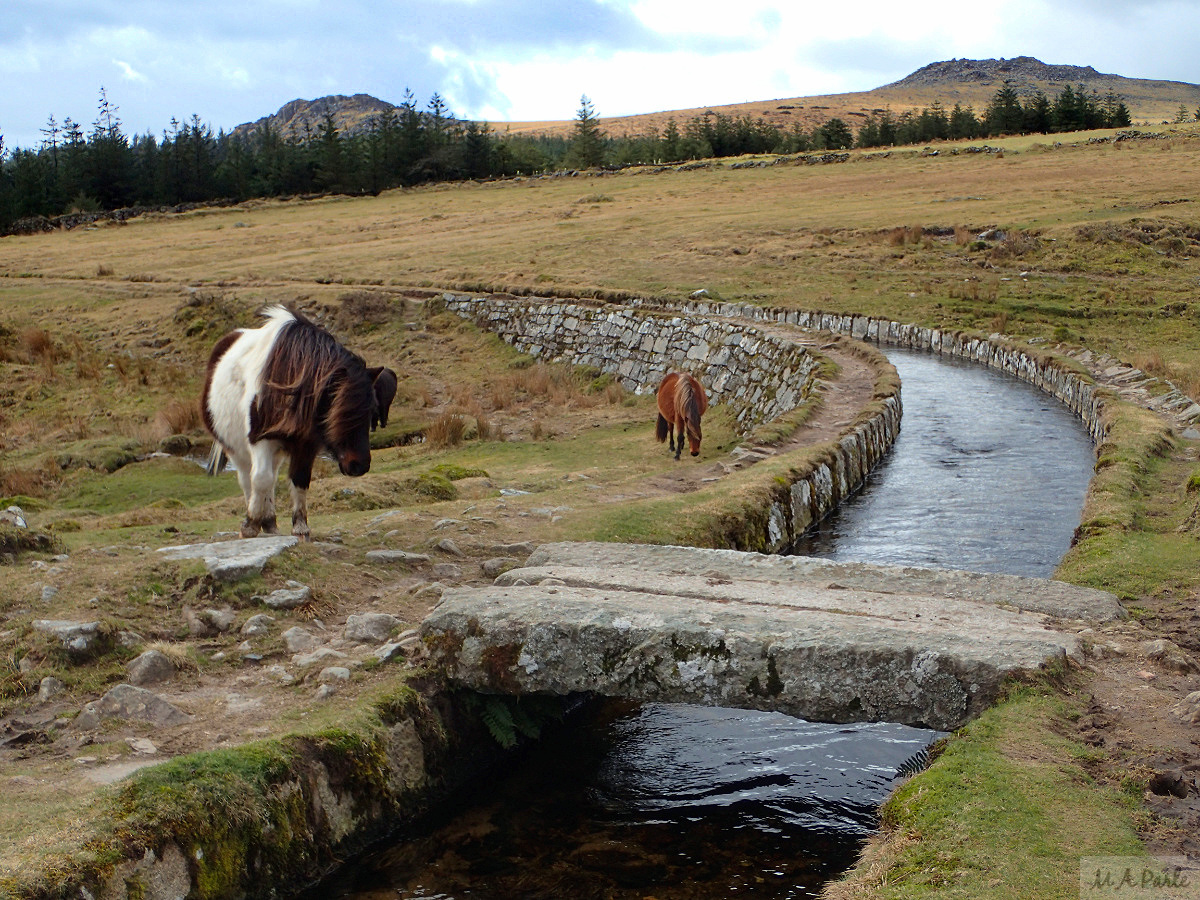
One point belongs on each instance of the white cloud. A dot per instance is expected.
(128, 72)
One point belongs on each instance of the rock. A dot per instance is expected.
(152, 667)
(323, 654)
(448, 546)
(826, 642)
(141, 745)
(256, 625)
(334, 673)
(197, 625)
(396, 556)
(281, 673)
(445, 523)
(524, 548)
(372, 628)
(126, 701)
(299, 640)
(1170, 656)
(79, 638)
(325, 691)
(129, 639)
(220, 619)
(236, 559)
(175, 445)
(497, 564)
(1187, 710)
(49, 592)
(434, 590)
(290, 596)
(49, 687)
(14, 516)
(449, 571)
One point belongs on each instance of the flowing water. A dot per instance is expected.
(671, 801)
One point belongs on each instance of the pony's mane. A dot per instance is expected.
(309, 379)
(691, 401)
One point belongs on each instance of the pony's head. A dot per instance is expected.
(356, 400)
(693, 433)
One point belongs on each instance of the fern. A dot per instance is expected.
(498, 718)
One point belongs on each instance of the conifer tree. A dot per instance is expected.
(587, 144)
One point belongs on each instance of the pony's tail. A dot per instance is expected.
(662, 428)
(216, 460)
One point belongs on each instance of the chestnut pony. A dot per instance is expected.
(681, 403)
(289, 389)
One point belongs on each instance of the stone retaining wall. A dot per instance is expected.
(759, 376)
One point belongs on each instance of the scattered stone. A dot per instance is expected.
(524, 548)
(141, 745)
(197, 625)
(14, 516)
(449, 571)
(1187, 710)
(446, 523)
(152, 667)
(396, 556)
(129, 639)
(299, 640)
(433, 589)
(290, 596)
(1170, 656)
(49, 592)
(372, 628)
(256, 625)
(325, 691)
(126, 701)
(220, 619)
(448, 546)
(49, 687)
(78, 638)
(279, 672)
(331, 550)
(233, 560)
(497, 564)
(334, 673)
(304, 660)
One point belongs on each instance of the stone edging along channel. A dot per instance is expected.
(641, 340)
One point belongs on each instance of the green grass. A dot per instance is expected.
(1006, 811)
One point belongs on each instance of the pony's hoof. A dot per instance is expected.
(249, 529)
(305, 536)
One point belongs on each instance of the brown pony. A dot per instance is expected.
(681, 403)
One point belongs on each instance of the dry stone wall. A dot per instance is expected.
(759, 376)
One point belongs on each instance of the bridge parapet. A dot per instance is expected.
(824, 641)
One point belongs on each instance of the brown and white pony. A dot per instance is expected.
(289, 389)
(681, 403)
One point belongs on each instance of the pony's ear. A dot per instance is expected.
(384, 382)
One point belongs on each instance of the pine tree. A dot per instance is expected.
(587, 144)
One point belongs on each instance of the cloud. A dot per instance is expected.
(128, 72)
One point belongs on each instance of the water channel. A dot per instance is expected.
(673, 801)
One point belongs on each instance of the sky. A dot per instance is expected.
(235, 61)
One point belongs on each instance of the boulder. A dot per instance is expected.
(374, 628)
(152, 667)
(125, 701)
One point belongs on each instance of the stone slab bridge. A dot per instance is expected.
(824, 641)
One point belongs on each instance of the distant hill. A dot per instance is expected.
(350, 115)
(970, 82)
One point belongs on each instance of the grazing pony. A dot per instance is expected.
(681, 403)
(289, 389)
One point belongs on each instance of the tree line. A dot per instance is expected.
(104, 169)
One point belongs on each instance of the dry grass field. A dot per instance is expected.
(104, 330)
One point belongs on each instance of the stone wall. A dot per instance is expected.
(758, 375)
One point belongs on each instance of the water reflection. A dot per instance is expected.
(666, 801)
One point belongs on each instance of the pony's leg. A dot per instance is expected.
(679, 438)
(300, 474)
(265, 458)
(671, 435)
